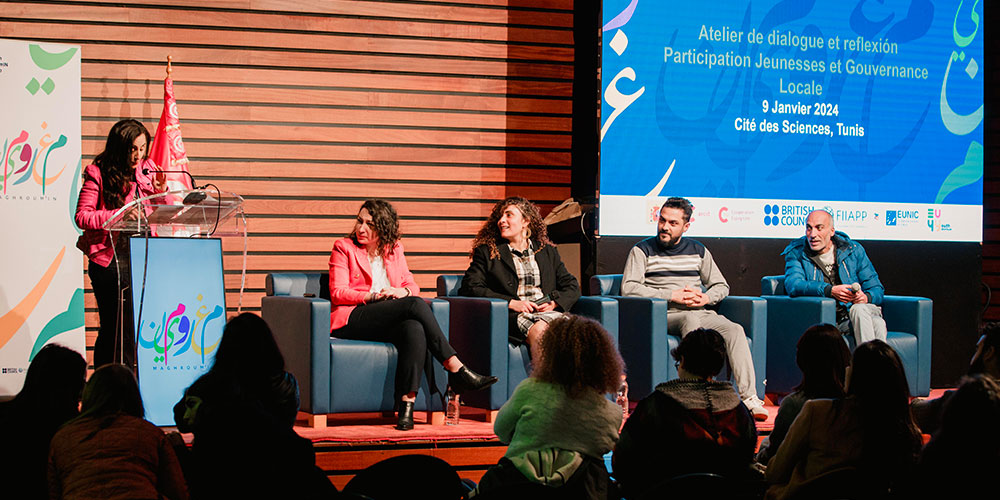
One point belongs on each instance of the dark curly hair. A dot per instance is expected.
(489, 234)
(116, 171)
(578, 354)
(385, 223)
(704, 352)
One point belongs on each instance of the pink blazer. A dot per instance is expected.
(91, 213)
(351, 277)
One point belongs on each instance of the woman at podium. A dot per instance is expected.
(111, 182)
(373, 297)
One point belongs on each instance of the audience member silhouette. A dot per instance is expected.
(408, 476)
(965, 451)
(986, 360)
(823, 358)
(109, 451)
(241, 413)
(49, 397)
(558, 423)
(687, 425)
(870, 433)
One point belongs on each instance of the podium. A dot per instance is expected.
(177, 286)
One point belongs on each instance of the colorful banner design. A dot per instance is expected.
(183, 316)
(41, 272)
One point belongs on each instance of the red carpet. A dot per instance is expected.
(374, 428)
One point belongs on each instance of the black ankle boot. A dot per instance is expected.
(466, 380)
(405, 416)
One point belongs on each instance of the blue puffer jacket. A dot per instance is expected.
(803, 276)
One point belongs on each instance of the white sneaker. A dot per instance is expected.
(756, 407)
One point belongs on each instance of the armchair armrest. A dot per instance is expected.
(602, 309)
(787, 318)
(751, 313)
(301, 327)
(479, 334)
(913, 315)
(907, 314)
(642, 341)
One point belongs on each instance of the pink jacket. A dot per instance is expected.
(91, 213)
(351, 277)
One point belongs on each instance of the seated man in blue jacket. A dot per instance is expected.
(826, 263)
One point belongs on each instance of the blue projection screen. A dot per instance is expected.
(761, 111)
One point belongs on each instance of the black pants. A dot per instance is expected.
(407, 323)
(106, 284)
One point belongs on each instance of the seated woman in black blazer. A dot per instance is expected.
(513, 259)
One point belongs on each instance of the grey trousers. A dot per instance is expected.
(737, 346)
(865, 322)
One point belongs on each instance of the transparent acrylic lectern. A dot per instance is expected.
(177, 286)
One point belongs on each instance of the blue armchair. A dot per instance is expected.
(337, 375)
(907, 318)
(645, 344)
(479, 334)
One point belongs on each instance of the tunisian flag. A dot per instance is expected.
(167, 150)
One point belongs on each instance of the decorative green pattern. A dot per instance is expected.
(968, 172)
(70, 319)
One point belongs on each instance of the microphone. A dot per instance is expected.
(193, 198)
(855, 287)
(194, 185)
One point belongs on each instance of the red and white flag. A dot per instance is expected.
(167, 149)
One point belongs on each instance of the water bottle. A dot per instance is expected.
(622, 400)
(452, 411)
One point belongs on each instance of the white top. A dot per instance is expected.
(379, 279)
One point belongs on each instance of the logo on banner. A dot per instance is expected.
(901, 217)
(786, 215)
(26, 163)
(180, 338)
(724, 215)
(934, 222)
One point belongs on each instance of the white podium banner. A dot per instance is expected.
(41, 271)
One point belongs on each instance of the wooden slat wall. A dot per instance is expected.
(308, 107)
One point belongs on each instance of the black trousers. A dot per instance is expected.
(407, 323)
(107, 285)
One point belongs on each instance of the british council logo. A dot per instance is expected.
(771, 213)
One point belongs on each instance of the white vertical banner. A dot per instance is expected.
(41, 271)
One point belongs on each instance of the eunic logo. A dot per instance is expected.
(786, 215)
(724, 215)
(901, 217)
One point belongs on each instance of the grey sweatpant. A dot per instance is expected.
(737, 346)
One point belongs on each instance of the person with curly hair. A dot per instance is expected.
(114, 179)
(374, 297)
(558, 423)
(514, 260)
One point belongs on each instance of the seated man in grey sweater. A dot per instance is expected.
(682, 271)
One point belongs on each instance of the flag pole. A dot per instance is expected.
(169, 68)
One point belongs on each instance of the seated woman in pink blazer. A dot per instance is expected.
(373, 297)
